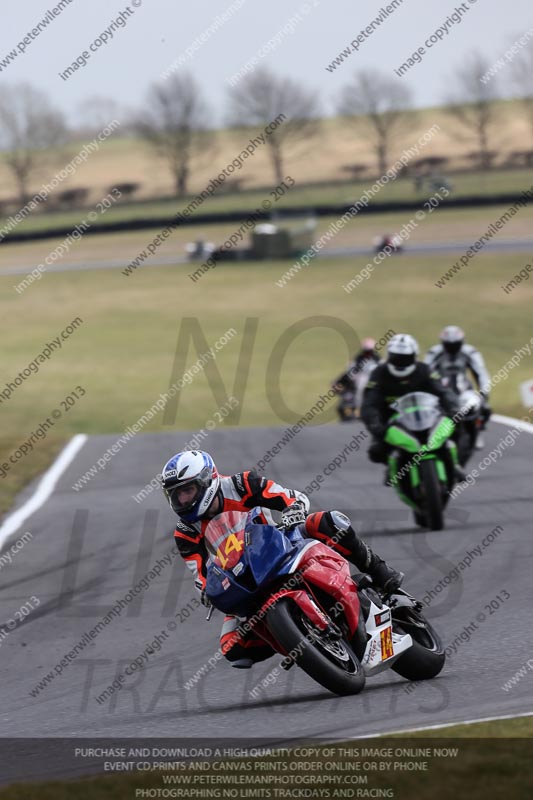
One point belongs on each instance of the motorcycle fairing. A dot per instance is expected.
(398, 437)
(266, 552)
(270, 554)
(384, 646)
(322, 568)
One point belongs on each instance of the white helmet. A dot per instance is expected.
(194, 468)
(402, 351)
(452, 338)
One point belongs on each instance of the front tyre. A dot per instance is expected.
(432, 496)
(420, 519)
(330, 661)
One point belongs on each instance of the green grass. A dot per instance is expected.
(123, 354)
(519, 728)
(442, 225)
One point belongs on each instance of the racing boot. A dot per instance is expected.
(384, 577)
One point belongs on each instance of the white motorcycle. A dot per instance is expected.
(468, 436)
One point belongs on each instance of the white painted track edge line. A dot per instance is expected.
(441, 725)
(516, 423)
(45, 488)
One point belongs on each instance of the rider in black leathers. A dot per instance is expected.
(398, 376)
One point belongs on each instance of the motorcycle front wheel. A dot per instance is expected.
(329, 660)
(432, 500)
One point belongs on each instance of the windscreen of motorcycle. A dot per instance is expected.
(417, 411)
(224, 537)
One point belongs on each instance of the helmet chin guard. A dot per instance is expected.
(401, 372)
(402, 351)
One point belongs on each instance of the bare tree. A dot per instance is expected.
(260, 98)
(29, 128)
(96, 112)
(175, 124)
(380, 107)
(473, 105)
(523, 81)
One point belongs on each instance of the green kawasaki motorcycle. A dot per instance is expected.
(421, 465)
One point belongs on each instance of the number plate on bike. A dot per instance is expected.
(387, 649)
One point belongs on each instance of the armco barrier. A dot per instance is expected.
(240, 216)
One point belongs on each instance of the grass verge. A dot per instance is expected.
(140, 333)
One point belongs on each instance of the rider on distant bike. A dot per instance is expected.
(350, 385)
(197, 493)
(453, 357)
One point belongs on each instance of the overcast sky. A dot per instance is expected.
(158, 31)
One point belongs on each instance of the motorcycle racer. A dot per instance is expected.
(196, 493)
(452, 356)
(399, 375)
(366, 357)
(350, 385)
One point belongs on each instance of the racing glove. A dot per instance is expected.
(294, 515)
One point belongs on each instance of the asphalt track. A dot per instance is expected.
(524, 245)
(90, 547)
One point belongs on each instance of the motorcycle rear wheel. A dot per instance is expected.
(426, 658)
(330, 662)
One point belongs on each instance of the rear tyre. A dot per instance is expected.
(432, 497)
(418, 664)
(331, 662)
(426, 658)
